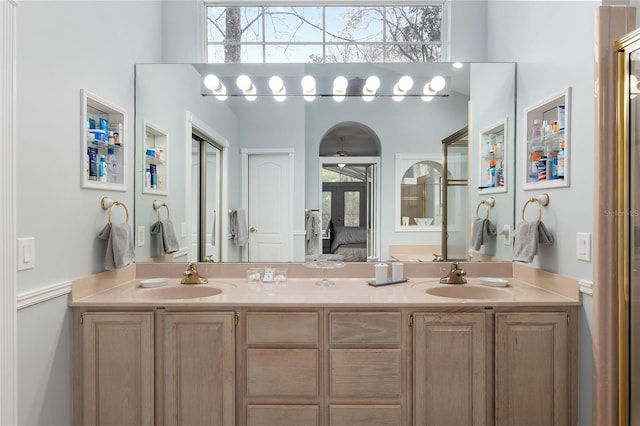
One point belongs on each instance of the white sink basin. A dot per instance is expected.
(463, 291)
(182, 292)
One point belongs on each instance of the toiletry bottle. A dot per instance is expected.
(113, 166)
(154, 175)
(492, 174)
(147, 178)
(102, 169)
(561, 160)
(536, 130)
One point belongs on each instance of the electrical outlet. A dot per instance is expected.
(583, 246)
(26, 253)
(507, 235)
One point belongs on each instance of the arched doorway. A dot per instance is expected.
(350, 155)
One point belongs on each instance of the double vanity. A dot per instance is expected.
(230, 352)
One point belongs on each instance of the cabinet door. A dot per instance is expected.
(450, 367)
(199, 369)
(532, 371)
(117, 369)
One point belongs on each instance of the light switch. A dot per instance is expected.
(26, 253)
(583, 246)
(140, 235)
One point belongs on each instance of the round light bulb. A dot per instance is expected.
(428, 90)
(243, 82)
(457, 65)
(276, 84)
(338, 98)
(340, 84)
(372, 84)
(437, 83)
(212, 82)
(308, 84)
(427, 98)
(405, 83)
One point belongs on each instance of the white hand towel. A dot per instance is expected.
(120, 251)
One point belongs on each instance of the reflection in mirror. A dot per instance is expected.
(455, 189)
(419, 189)
(205, 199)
(173, 97)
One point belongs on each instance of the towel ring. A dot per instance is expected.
(157, 205)
(541, 200)
(126, 211)
(489, 203)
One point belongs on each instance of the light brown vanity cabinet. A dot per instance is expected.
(162, 368)
(198, 368)
(282, 358)
(366, 369)
(114, 380)
(453, 369)
(533, 369)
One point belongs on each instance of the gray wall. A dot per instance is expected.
(551, 58)
(63, 47)
(67, 46)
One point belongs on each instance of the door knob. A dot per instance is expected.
(252, 229)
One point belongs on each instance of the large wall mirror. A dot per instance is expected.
(285, 164)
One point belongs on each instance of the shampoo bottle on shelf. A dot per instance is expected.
(147, 178)
(102, 169)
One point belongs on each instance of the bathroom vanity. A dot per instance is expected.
(294, 353)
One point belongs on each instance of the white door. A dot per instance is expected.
(268, 211)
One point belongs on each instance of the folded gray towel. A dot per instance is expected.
(163, 238)
(481, 231)
(241, 237)
(119, 239)
(527, 237)
(169, 237)
(156, 243)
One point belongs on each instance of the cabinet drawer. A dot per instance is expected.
(366, 373)
(282, 328)
(365, 328)
(282, 372)
(365, 415)
(282, 415)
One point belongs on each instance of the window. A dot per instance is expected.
(323, 34)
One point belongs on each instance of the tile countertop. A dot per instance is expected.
(349, 292)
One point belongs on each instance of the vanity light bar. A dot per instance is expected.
(339, 88)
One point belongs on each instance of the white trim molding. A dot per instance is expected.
(585, 287)
(8, 264)
(34, 297)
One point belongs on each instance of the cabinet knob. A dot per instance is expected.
(253, 230)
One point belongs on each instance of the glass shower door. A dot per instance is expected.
(634, 236)
(455, 195)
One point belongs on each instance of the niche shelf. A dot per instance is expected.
(102, 134)
(493, 151)
(547, 143)
(155, 156)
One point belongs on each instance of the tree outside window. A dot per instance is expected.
(324, 34)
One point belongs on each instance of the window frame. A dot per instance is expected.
(442, 44)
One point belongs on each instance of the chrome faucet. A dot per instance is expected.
(456, 275)
(191, 276)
